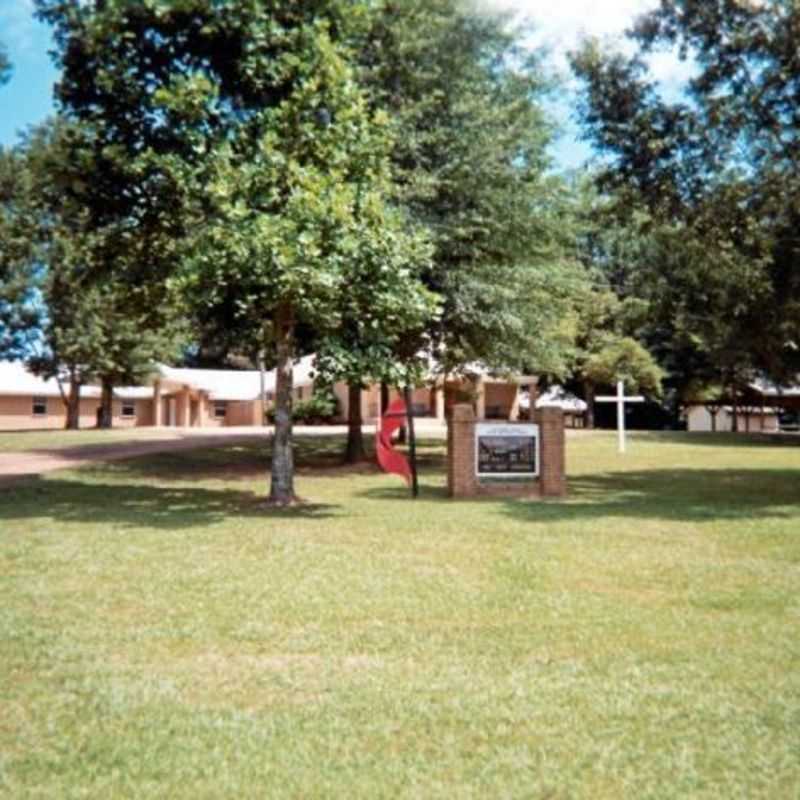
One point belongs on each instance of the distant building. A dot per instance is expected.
(719, 419)
(200, 398)
(28, 402)
(759, 409)
(573, 407)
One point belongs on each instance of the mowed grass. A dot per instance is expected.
(164, 635)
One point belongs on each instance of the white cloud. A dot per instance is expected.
(561, 24)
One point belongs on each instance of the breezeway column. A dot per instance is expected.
(157, 421)
(514, 412)
(438, 393)
(203, 409)
(480, 399)
(184, 409)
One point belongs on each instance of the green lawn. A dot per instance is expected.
(163, 635)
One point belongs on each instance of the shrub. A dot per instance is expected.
(318, 409)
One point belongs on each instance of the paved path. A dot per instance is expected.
(36, 462)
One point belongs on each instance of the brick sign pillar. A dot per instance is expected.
(552, 471)
(462, 477)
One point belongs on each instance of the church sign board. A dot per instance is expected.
(511, 459)
(506, 451)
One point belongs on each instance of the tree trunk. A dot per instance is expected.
(354, 451)
(412, 442)
(281, 491)
(384, 397)
(106, 417)
(588, 396)
(73, 404)
(262, 390)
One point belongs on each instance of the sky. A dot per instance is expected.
(27, 98)
(559, 25)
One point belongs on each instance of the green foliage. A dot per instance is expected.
(254, 128)
(99, 325)
(20, 314)
(464, 96)
(384, 314)
(5, 66)
(622, 359)
(603, 350)
(717, 172)
(321, 407)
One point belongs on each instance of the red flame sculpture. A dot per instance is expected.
(390, 459)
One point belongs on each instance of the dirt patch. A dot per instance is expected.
(37, 462)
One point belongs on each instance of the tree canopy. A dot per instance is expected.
(112, 330)
(370, 180)
(20, 313)
(246, 138)
(465, 96)
(716, 172)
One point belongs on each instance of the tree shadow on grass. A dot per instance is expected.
(679, 495)
(232, 461)
(403, 492)
(673, 495)
(135, 505)
(113, 492)
(705, 438)
(320, 456)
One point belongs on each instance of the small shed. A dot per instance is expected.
(719, 418)
(573, 407)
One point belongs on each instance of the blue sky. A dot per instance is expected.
(27, 99)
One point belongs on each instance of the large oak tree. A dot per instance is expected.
(240, 128)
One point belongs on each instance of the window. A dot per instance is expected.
(39, 406)
(220, 409)
(128, 408)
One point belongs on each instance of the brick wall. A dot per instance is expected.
(143, 415)
(499, 399)
(16, 413)
(239, 413)
(462, 480)
(552, 470)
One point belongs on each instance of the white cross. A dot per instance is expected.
(620, 399)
